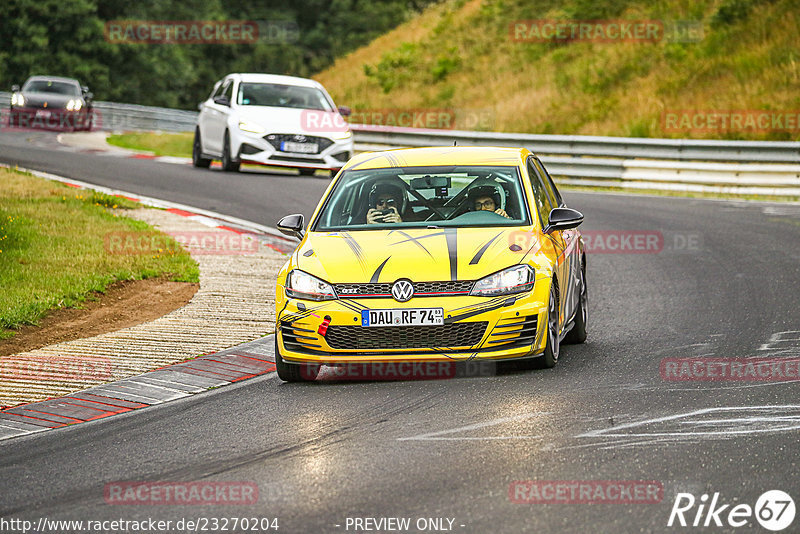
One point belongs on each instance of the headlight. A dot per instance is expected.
(341, 136)
(17, 99)
(74, 105)
(301, 285)
(251, 127)
(517, 279)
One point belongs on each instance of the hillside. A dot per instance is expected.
(461, 56)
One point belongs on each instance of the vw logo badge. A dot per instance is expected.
(402, 290)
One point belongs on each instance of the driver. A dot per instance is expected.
(384, 201)
(486, 198)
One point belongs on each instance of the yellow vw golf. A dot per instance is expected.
(432, 255)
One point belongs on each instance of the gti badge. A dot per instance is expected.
(402, 290)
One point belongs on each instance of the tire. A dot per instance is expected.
(197, 152)
(293, 372)
(228, 165)
(307, 172)
(578, 332)
(549, 359)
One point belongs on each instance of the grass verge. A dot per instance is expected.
(53, 252)
(160, 144)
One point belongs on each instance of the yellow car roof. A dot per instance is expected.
(442, 155)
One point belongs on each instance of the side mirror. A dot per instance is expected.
(85, 88)
(345, 111)
(15, 88)
(222, 100)
(88, 96)
(292, 225)
(563, 219)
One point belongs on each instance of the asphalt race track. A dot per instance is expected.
(722, 283)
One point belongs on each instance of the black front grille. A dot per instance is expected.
(276, 139)
(278, 157)
(406, 337)
(421, 289)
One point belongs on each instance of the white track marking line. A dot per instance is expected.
(476, 426)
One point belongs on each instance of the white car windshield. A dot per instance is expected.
(282, 96)
(425, 196)
(50, 86)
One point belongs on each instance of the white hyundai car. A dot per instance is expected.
(269, 119)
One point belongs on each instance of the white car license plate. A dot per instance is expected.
(302, 148)
(403, 317)
(43, 114)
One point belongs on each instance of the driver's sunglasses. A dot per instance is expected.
(484, 204)
(388, 202)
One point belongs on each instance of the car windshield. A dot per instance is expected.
(409, 197)
(50, 86)
(282, 96)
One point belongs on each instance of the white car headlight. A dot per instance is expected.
(341, 136)
(17, 99)
(74, 105)
(516, 279)
(301, 285)
(251, 127)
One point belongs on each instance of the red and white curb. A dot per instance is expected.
(173, 382)
(169, 383)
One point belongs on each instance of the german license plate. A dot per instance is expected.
(403, 317)
(301, 148)
(43, 114)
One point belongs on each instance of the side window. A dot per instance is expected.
(552, 192)
(228, 90)
(543, 204)
(217, 89)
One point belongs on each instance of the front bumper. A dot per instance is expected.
(476, 328)
(255, 149)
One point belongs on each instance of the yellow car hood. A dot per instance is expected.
(419, 254)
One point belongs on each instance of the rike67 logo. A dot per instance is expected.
(774, 510)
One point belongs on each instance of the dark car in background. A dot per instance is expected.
(51, 102)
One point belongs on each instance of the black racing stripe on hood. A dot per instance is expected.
(377, 273)
(414, 240)
(417, 238)
(483, 249)
(451, 235)
(355, 247)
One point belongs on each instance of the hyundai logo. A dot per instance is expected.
(300, 138)
(402, 290)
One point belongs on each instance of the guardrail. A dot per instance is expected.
(689, 165)
(738, 167)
